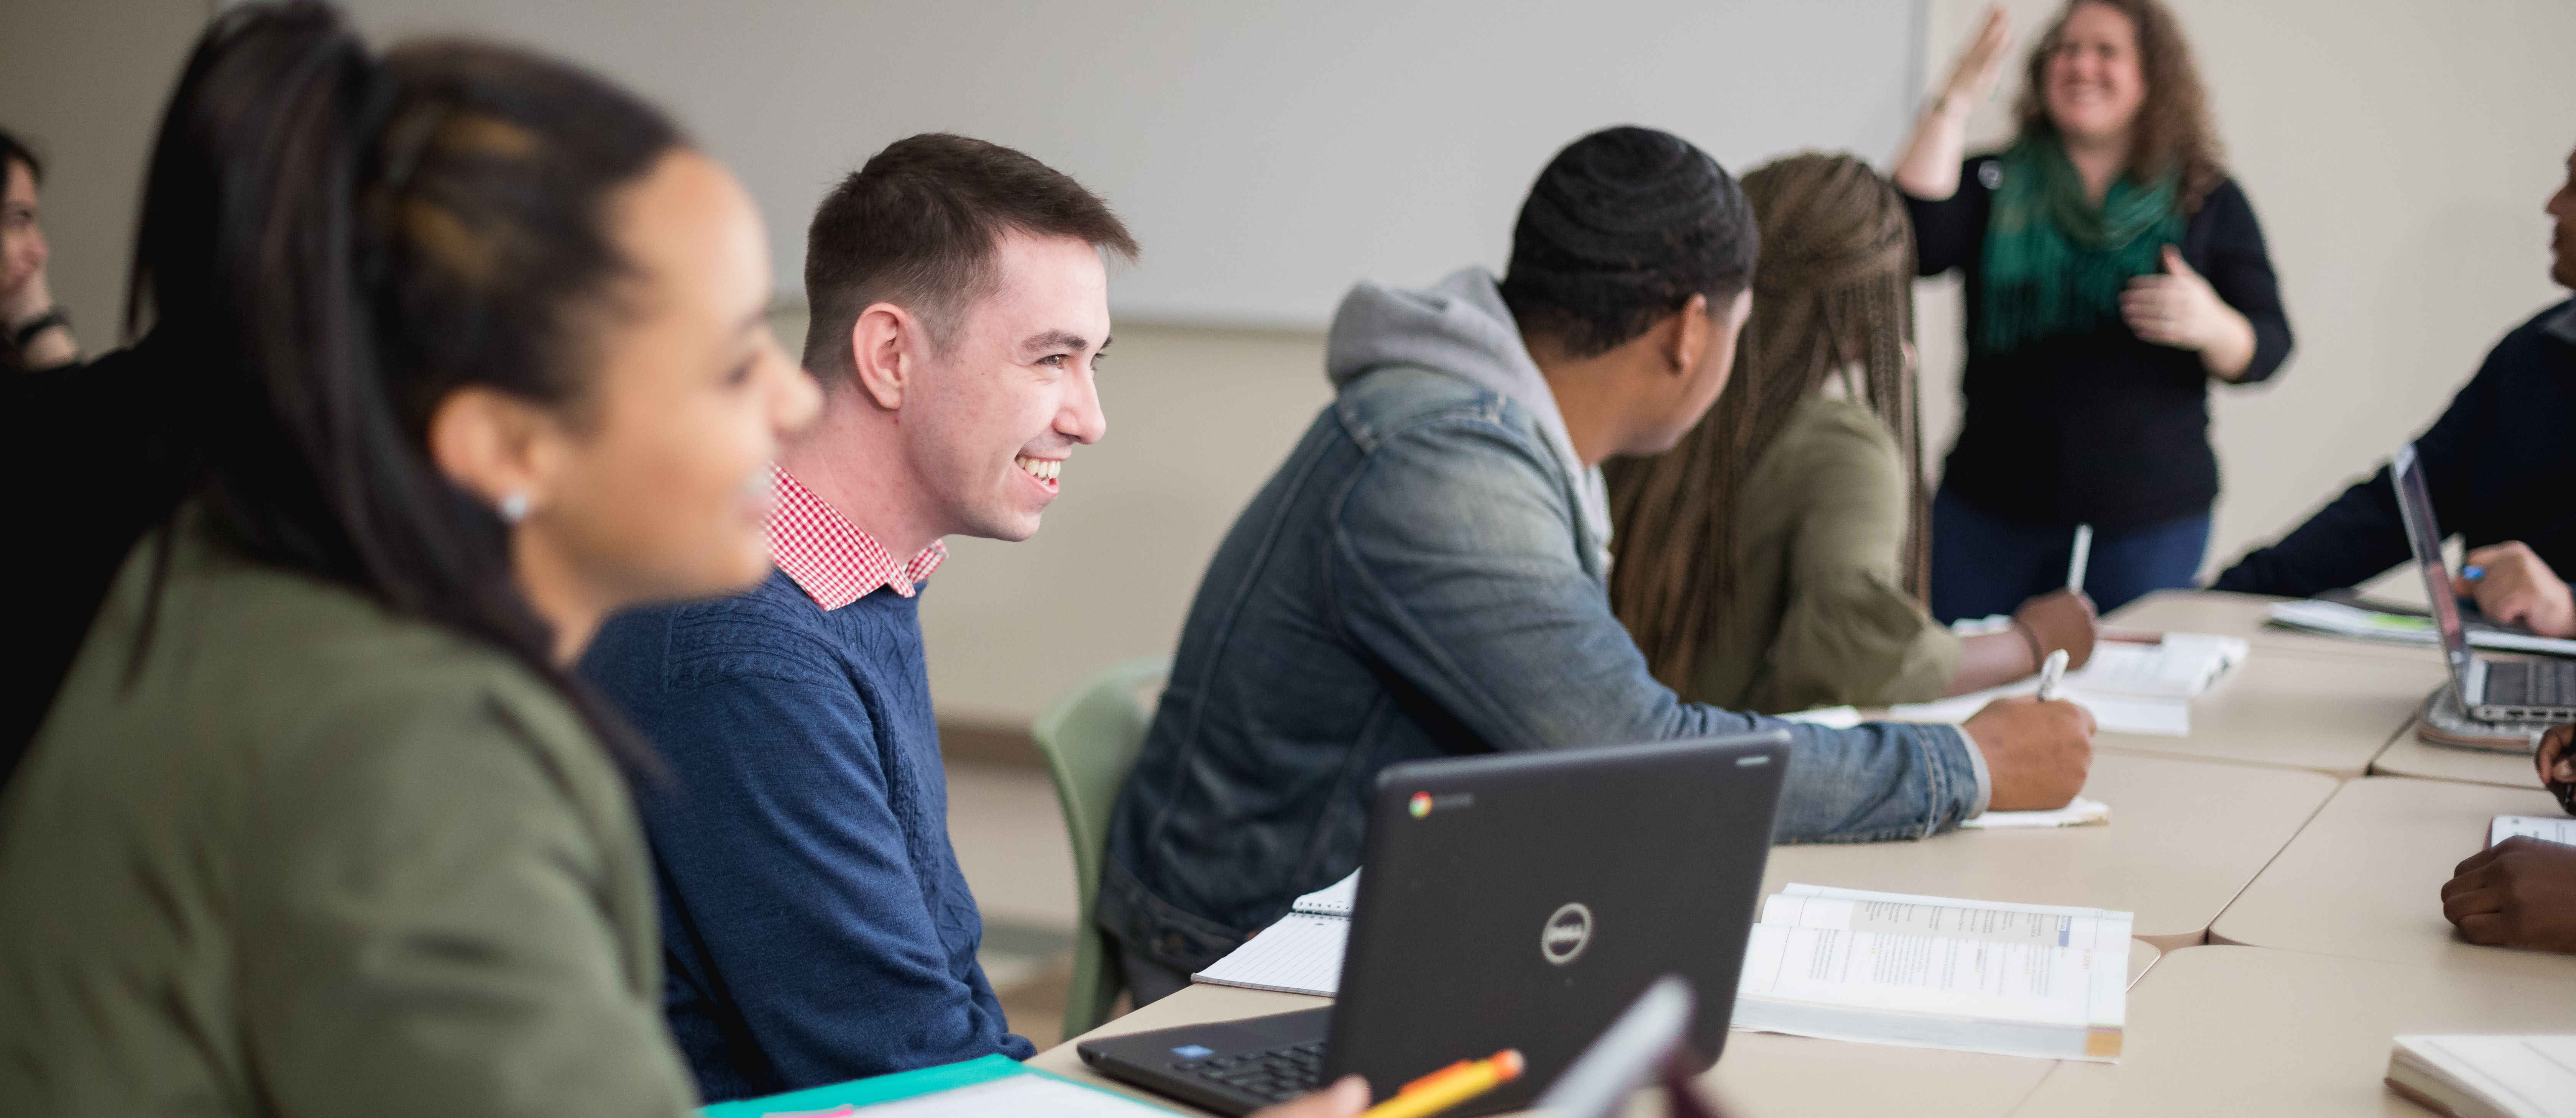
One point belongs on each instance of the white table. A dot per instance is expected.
(2409, 756)
(2185, 837)
(2364, 879)
(2241, 615)
(2284, 1034)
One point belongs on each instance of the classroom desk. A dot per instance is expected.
(2241, 615)
(1760, 1073)
(2185, 837)
(2245, 1030)
(2364, 879)
(2303, 712)
(2408, 756)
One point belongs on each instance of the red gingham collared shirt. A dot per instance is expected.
(828, 557)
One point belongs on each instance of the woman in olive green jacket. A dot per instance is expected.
(318, 824)
(1775, 559)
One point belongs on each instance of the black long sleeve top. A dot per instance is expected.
(2500, 464)
(2101, 428)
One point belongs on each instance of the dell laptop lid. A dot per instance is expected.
(1524, 900)
(2424, 537)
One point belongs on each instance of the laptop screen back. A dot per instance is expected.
(2424, 536)
(1524, 900)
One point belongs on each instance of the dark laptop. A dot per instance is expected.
(2532, 691)
(1509, 901)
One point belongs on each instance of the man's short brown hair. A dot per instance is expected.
(919, 227)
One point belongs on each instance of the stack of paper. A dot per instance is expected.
(2487, 1076)
(2335, 619)
(1302, 953)
(2557, 829)
(1932, 972)
(2179, 667)
(2131, 688)
(2079, 812)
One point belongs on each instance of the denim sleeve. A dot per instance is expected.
(1455, 565)
(782, 843)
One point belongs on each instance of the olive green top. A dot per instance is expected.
(1820, 616)
(311, 858)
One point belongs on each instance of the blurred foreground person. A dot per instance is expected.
(319, 823)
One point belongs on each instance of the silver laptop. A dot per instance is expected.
(2490, 690)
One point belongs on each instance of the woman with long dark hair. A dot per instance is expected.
(319, 823)
(1776, 559)
(2113, 270)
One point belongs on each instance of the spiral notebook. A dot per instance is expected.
(1302, 953)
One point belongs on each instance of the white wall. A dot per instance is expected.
(82, 81)
(2398, 155)
(1266, 155)
(2397, 152)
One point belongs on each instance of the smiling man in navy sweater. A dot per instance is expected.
(816, 923)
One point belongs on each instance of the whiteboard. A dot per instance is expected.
(1266, 155)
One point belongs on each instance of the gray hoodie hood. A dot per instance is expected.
(1460, 327)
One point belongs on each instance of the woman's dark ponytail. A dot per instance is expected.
(343, 242)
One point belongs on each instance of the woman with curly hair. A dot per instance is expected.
(1775, 559)
(2112, 270)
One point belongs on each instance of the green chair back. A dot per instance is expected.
(1090, 739)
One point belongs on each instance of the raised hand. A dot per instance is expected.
(1930, 166)
(1980, 63)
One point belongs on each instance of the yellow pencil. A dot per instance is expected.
(1450, 1086)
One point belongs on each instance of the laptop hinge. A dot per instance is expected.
(2476, 683)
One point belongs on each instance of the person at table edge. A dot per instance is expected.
(2500, 464)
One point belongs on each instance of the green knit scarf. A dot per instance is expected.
(2055, 264)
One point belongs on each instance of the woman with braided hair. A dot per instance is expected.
(1775, 559)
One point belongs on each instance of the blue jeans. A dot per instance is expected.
(1986, 564)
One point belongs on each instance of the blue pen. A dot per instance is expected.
(2473, 574)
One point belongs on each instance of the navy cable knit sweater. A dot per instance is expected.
(813, 914)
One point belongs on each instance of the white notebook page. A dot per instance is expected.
(2043, 964)
(2533, 1075)
(1301, 954)
(1335, 899)
(2542, 827)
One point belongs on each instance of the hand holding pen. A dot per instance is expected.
(2514, 585)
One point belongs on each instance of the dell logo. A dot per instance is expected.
(1565, 934)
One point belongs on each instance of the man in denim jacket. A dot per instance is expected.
(1427, 574)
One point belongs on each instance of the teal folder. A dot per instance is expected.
(877, 1089)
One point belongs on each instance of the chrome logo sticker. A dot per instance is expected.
(1421, 804)
(1565, 934)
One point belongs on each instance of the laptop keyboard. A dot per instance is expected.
(1273, 1075)
(2539, 683)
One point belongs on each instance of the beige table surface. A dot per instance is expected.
(2305, 712)
(2409, 756)
(2241, 615)
(1760, 1073)
(2185, 837)
(2245, 1030)
(2364, 879)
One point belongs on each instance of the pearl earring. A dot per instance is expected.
(514, 507)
